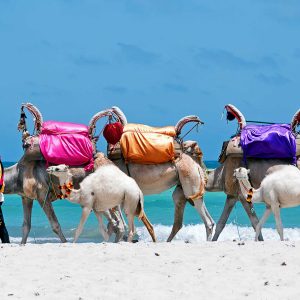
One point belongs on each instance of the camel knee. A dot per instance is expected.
(26, 225)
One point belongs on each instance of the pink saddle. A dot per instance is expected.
(66, 143)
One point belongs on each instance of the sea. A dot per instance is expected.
(160, 211)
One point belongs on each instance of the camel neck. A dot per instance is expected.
(246, 188)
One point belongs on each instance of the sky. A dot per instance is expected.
(157, 60)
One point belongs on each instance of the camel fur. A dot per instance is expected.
(279, 189)
(102, 190)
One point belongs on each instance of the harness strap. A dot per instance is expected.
(249, 196)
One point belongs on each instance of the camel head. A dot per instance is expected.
(58, 170)
(241, 173)
(192, 148)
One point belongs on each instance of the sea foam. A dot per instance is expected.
(188, 233)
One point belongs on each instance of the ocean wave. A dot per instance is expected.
(188, 233)
(197, 233)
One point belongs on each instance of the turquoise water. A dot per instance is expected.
(159, 209)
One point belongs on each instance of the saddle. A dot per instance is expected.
(66, 143)
(267, 145)
(261, 141)
(61, 143)
(74, 144)
(144, 144)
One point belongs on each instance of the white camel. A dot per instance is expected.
(106, 188)
(279, 189)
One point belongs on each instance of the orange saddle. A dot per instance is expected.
(148, 145)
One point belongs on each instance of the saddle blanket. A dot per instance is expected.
(268, 141)
(148, 145)
(66, 143)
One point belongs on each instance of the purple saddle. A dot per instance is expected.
(269, 141)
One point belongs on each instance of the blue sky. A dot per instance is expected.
(156, 60)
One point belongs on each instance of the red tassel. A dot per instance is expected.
(113, 132)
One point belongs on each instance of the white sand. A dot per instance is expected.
(220, 270)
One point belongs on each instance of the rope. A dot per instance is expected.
(261, 122)
(197, 124)
(96, 137)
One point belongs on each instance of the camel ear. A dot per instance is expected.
(248, 171)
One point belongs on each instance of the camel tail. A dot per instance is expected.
(142, 216)
(149, 226)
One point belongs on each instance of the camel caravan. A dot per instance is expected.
(61, 161)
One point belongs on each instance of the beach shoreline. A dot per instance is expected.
(177, 270)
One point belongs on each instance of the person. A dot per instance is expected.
(3, 231)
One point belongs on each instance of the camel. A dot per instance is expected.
(186, 174)
(102, 190)
(30, 180)
(221, 179)
(279, 189)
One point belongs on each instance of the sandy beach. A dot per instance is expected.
(178, 270)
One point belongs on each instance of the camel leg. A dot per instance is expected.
(180, 202)
(121, 224)
(262, 222)
(85, 213)
(117, 223)
(112, 224)
(209, 224)
(119, 212)
(27, 210)
(48, 209)
(252, 216)
(102, 228)
(276, 212)
(229, 204)
(130, 219)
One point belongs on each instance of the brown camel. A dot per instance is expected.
(221, 178)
